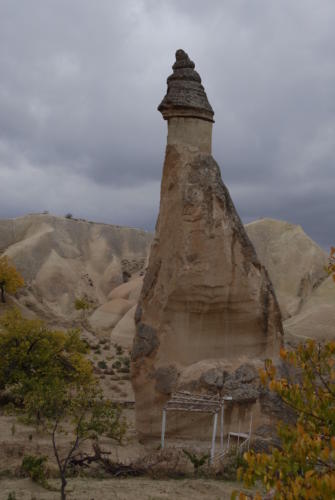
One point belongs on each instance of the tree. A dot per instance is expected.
(30, 353)
(10, 278)
(52, 386)
(331, 263)
(75, 407)
(304, 466)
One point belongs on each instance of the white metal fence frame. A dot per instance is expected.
(185, 401)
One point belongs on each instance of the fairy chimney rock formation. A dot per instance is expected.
(205, 294)
(186, 107)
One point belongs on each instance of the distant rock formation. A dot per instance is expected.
(63, 259)
(316, 318)
(205, 293)
(295, 263)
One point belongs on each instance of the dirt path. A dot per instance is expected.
(122, 489)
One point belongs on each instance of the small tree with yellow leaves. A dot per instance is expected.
(304, 466)
(52, 386)
(10, 279)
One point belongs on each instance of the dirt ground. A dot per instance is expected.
(122, 489)
(13, 446)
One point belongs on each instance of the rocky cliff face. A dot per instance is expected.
(296, 264)
(205, 293)
(63, 259)
(316, 318)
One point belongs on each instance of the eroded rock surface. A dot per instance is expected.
(295, 263)
(205, 293)
(63, 259)
(316, 318)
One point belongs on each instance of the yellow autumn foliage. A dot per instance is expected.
(10, 279)
(303, 467)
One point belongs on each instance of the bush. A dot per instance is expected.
(82, 304)
(126, 361)
(119, 349)
(116, 365)
(231, 463)
(34, 467)
(10, 279)
(304, 465)
(102, 364)
(168, 463)
(196, 460)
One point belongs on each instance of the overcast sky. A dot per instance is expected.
(80, 81)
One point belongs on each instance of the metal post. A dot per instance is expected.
(163, 429)
(214, 436)
(238, 436)
(250, 432)
(221, 426)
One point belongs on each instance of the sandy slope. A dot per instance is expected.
(62, 259)
(294, 262)
(296, 265)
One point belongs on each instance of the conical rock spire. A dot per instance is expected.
(206, 297)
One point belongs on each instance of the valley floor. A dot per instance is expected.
(122, 489)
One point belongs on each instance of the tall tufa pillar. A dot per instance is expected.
(205, 295)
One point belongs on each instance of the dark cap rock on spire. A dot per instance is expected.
(185, 96)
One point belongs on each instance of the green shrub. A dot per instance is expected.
(102, 364)
(197, 461)
(232, 463)
(82, 304)
(116, 364)
(34, 467)
(126, 361)
(119, 349)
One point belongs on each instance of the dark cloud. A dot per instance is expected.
(81, 81)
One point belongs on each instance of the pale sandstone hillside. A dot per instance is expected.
(295, 263)
(316, 318)
(62, 259)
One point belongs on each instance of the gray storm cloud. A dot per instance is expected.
(81, 81)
